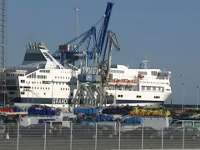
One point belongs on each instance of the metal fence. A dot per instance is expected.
(95, 137)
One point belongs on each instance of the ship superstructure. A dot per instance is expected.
(138, 86)
(49, 82)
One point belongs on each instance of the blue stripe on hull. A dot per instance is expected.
(35, 100)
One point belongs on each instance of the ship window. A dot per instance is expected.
(139, 96)
(45, 71)
(157, 97)
(45, 82)
(34, 57)
(22, 93)
(41, 76)
(142, 72)
(148, 88)
(22, 81)
(143, 88)
(160, 89)
(154, 73)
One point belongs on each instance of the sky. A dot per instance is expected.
(167, 33)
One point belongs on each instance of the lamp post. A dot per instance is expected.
(4, 86)
(198, 96)
(182, 96)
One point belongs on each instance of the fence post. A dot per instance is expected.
(183, 140)
(162, 136)
(71, 136)
(96, 137)
(142, 144)
(7, 132)
(18, 135)
(119, 144)
(45, 136)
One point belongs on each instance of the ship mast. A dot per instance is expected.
(2, 32)
(2, 49)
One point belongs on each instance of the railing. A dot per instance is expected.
(94, 136)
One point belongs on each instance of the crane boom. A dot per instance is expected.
(104, 28)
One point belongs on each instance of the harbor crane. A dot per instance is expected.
(91, 52)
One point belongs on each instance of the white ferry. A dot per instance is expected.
(138, 86)
(48, 82)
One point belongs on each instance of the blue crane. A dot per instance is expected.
(104, 27)
(71, 50)
(89, 45)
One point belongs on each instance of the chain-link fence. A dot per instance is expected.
(94, 136)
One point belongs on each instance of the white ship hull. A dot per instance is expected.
(130, 98)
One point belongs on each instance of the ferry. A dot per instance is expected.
(48, 82)
(138, 87)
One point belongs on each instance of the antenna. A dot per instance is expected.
(2, 32)
(77, 26)
(2, 49)
(144, 64)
